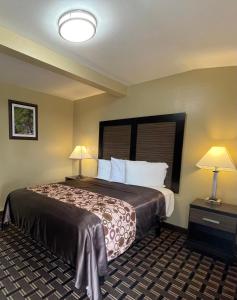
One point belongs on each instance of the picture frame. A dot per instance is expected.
(23, 120)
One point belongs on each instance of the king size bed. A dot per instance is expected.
(90, 221)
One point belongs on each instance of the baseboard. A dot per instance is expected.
(175, 227)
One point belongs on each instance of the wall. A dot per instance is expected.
(209, 97)
(24, 163)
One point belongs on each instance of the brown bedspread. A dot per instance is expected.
(117, 216)
(76, 234)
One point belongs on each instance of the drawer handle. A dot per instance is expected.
(211, 221)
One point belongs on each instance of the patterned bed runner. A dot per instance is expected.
(117, 216)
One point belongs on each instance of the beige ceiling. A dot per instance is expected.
(23, 74)
(136, 40)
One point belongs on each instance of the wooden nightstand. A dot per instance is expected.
(72, 178)
(212, 229)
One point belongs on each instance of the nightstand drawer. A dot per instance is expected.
(214, 220)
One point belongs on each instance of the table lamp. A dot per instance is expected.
(79, 153)
(216, 159)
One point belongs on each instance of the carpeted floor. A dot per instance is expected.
(155, 268)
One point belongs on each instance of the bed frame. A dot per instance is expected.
(154, 138)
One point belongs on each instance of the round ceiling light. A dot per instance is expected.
(77, 26)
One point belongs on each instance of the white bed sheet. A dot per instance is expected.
(169, 199)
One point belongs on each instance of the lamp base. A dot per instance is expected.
(213, 201)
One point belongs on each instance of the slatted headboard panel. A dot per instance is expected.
(153, 138)
(156, 142)
(116, 141)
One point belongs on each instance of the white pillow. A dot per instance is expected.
(104, 169)
(146, 174)
(117, 170)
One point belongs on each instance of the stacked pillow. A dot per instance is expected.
(140, 173)
(104, 169)
(118, 170)
(146, 173)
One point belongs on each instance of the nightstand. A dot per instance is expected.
(212, 229)
(72, 178)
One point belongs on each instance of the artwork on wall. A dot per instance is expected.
(23, 120)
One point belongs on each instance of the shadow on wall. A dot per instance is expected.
(4, 191)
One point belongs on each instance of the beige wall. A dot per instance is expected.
(209, 97)
(24, 163)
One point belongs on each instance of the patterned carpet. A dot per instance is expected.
(154, 268)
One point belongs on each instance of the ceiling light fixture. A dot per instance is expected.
(77, 26)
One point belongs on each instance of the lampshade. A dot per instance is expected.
(217, 158)
(80, 152)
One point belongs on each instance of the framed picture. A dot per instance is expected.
(23, 120)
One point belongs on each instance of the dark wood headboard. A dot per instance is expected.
(153, 138)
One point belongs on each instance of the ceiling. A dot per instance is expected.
(136, 40)
(24, 74)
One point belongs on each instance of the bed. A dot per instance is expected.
(74, 219)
